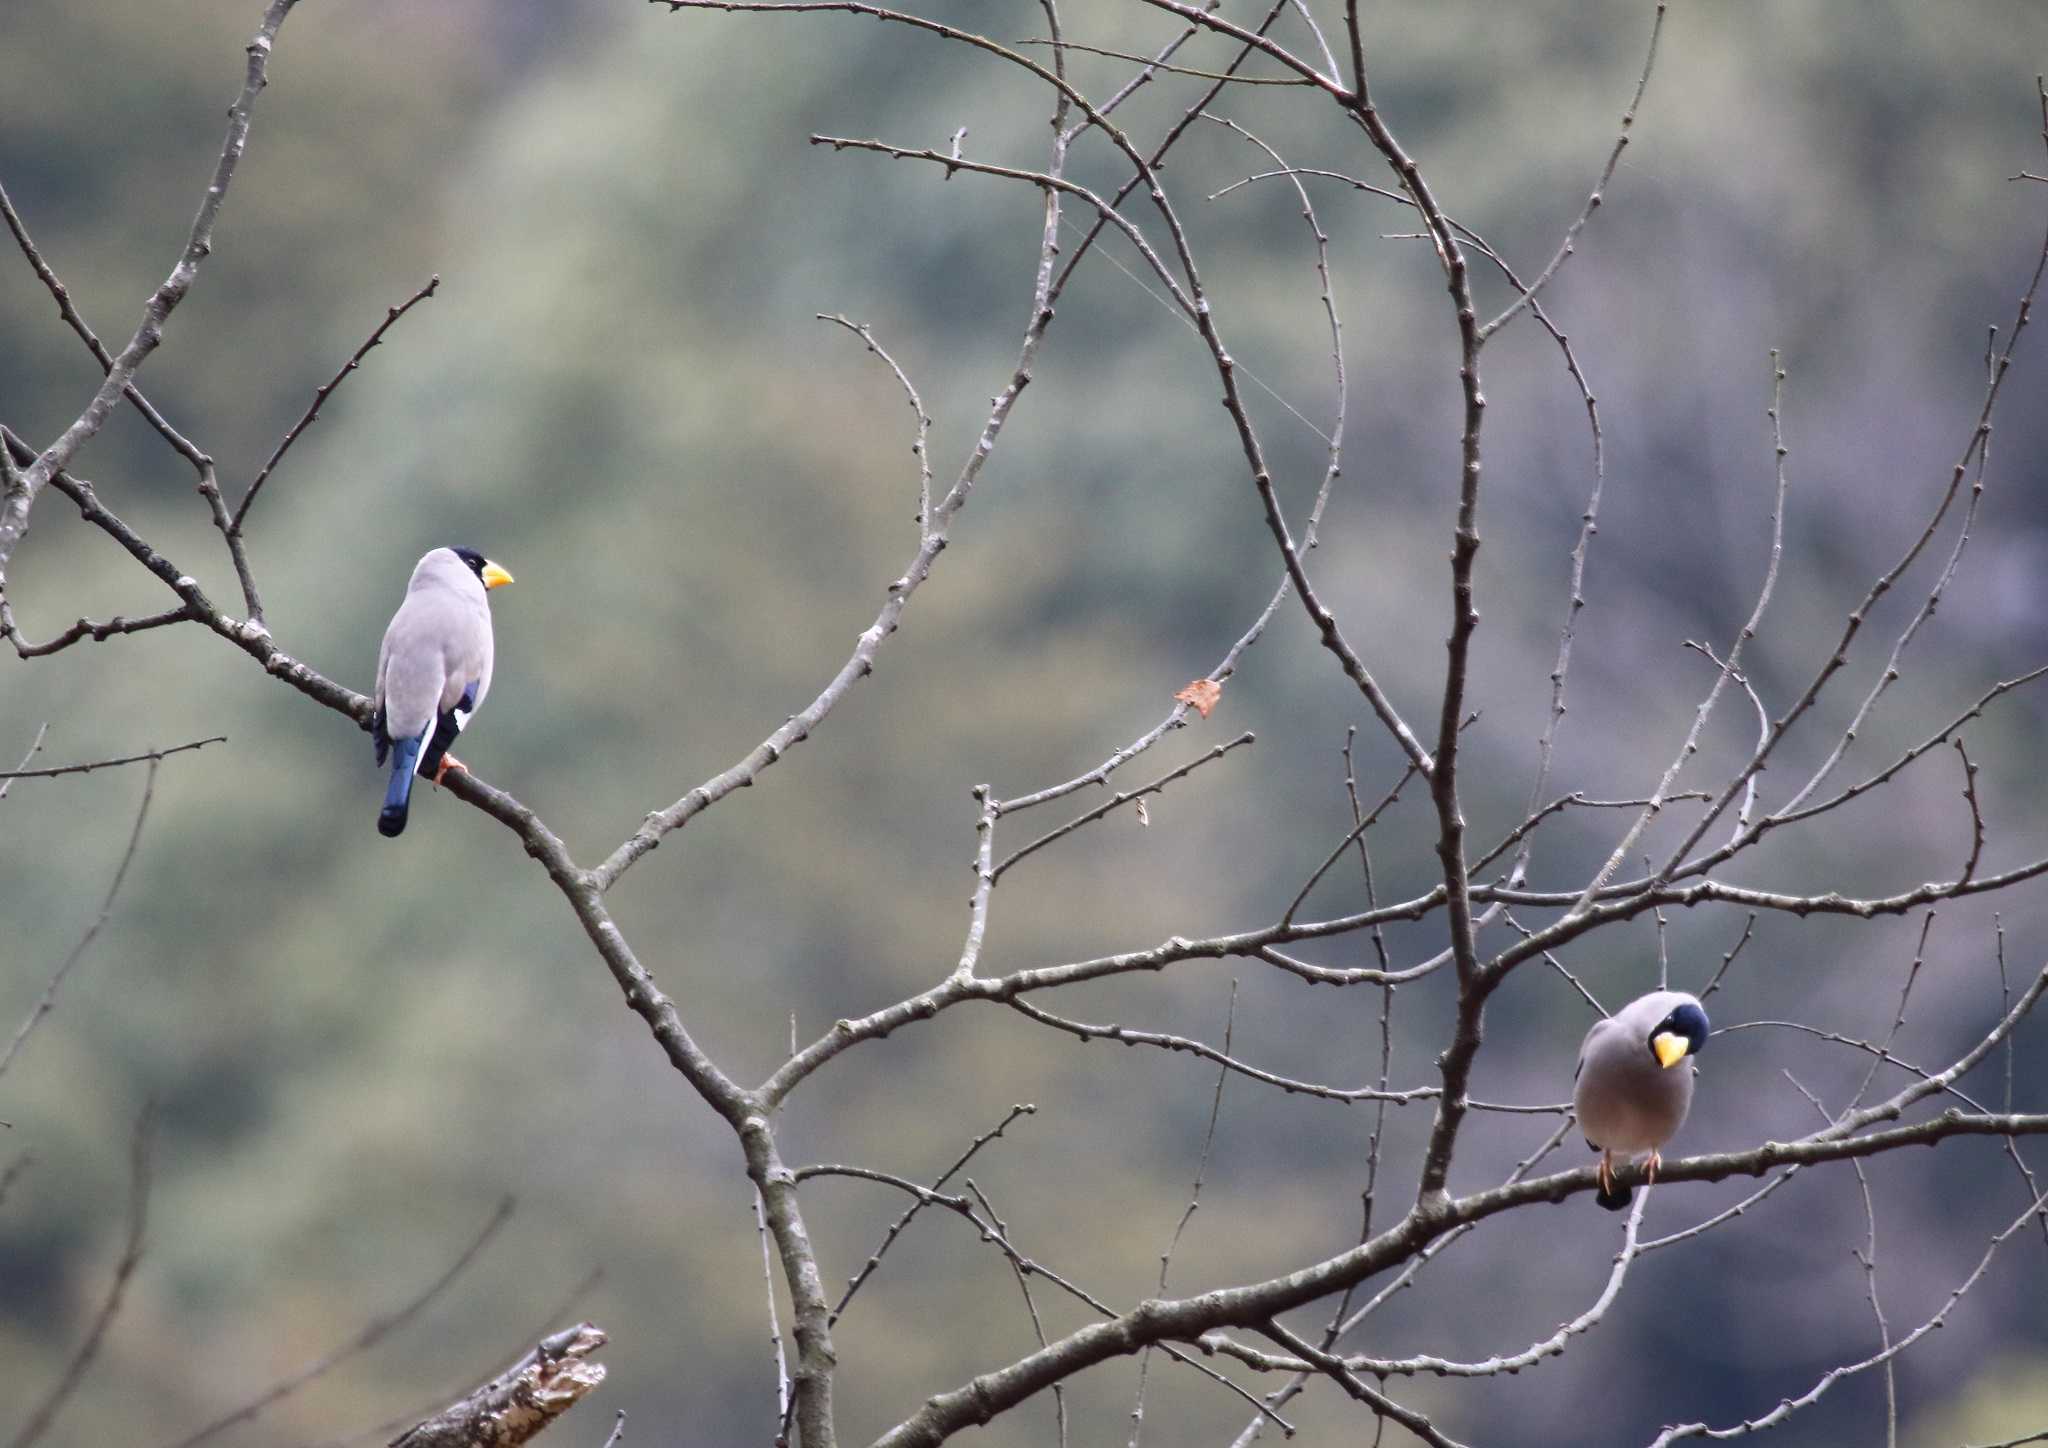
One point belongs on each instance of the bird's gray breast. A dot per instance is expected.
(1625, 1101)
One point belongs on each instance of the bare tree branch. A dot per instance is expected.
(45, 1412)
(48, 1000)
(85, 628)
(1596, 196)
(35, 745)
(1789, 1406)
(1119, 800)
(373, 1332)
(21, 491)
(320, 396)
(150, 756)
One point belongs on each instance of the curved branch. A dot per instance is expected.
(45, 1412)
(149, 756)
(1571, 235)
(1124, 1035)
(85, 628)
(48, 1000)
(1186, 1319)
(1883, 1358)
(35, 745)
(21, 491)
(320, 396)
(372, 1333)
(1208, 21)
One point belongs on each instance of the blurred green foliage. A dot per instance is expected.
(620, 392)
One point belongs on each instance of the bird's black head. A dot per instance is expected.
(489, 574)
(1682, 1033)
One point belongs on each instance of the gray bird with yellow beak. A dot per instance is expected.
(432, 671)
(1634, 1084)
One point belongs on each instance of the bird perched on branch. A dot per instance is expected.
(432, 671)
(1634, 1083)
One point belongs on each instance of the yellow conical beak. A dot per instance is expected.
(1670, 1048)
(494, 576)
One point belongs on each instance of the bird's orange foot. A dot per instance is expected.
(1606, 1175)
(1656, 1160)
(448, 762)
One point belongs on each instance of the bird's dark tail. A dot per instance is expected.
(405, 755)
(1615, 1201)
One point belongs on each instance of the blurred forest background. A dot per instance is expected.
(620, 392)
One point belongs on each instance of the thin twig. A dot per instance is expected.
(1788, 814)
(1379, 1402)
(1118, 801)
(45, 1412)
(1728, 957)
(150, 756)
(48, 1001)
(117, 626)
(1788, 1406)
(782, 1398)
(381, 1432)
(20, 493)
(1726, 672)
(1023, 1280)
(2005, 1004)
(1125, 1035)
(1552, 1346)
(1838, 659)
(35, 745)
(1976, 814)
(320, 396)
(1160, 65)
(874, 1260)
(1867, 1259)
(935, 531)
(372, 1333)
(1884, 1049)
(1726, 1215)
(1559, 966)
(1763, 733)
(1194, 1202)
(74, 319)
(1144, 76)
(918, 447)
(1222, 671)
(1344, 1320)
(1360, 824)
(1593, 200)
(994, 1231)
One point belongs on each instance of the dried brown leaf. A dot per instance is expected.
(1202, 694)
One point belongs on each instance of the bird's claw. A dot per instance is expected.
(448, 762)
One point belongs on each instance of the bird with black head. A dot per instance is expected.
(432, 672)
(1634, 1083)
